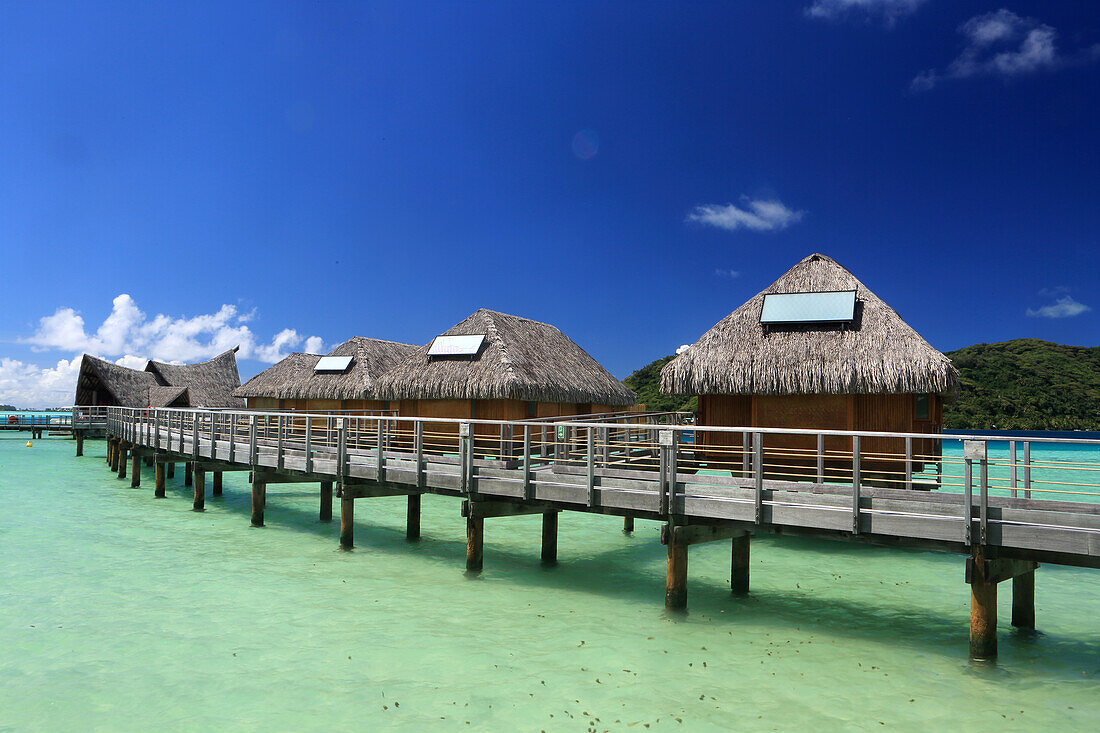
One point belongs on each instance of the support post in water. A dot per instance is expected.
(79, 443)
(188, 473)
(628, 525)
(135, 470)
(676, 594)
(217, 483)
(200, 489)
(739, 565)
(412, 518)
(122, 454)
(158, 479)
(983, 607)
(259, 499)
(550, 538)
(1023, 601)
(326, 501)
(475, 542)
(170, 471)
(347, 519)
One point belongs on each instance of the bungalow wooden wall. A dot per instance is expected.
(262, 403)
(728, 411)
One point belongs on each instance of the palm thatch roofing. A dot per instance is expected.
(295, 378)
(519, 359)
(209, 383)
(877, 353)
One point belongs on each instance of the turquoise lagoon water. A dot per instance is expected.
(121, 612)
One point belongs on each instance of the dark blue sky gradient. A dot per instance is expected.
(384, 169)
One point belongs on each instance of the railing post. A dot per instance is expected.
(664, 441)
(195, 435)
(156, 429)
(341, 449)
(1027, 469)
(973, 450)
(590, 459)
(820, 458)
(309, 444)
(418, 440)
(856, 478)
(1012, 468)
(279, 430)
(746, 454)
(381, 468)
(908, 461)
(253, 445)
(232, 419)
(528, 489)
(758, 476)
(983, 497)
(464, 455)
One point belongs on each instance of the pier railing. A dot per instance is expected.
(21, 420)
(962, 486)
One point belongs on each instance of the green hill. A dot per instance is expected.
(1024, 384)
(646, 382)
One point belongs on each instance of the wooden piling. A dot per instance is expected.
(1023, 601)
(135, 471)
(550, 538)
(259, 499)
(475, 542)
(158, 480)
(412, 518)
(676, 577)
(628, 525)
(739, 565)
(983, 611)
(79, 443)
(217, 483)
(326, 501)
(111, 453)
(200, 490)
(170, 472)
(347, 520)
(122, 456)
(188, 473)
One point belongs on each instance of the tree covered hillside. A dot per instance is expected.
(646, 382)
(1026, 384)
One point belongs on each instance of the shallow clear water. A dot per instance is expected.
(121, 612)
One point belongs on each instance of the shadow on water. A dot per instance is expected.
(634, 571)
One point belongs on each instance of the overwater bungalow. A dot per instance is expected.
(495, 366)
(206, 384)
(343, 379)
(816, 349)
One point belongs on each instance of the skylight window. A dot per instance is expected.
(456, 345)
(332, 364)
(832, 307)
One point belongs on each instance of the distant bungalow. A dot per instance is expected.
(817, 350)
(344, 379)
(207, 384)
(495, 366)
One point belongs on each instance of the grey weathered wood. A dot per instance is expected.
(983, 501)
(758, 475)
(694, 534)
(527, 488)
(1012, 468)
(418, 439)
(380, 447)
(309, 445)
(590, 460)
(908, 462)
(968, 499)
(1027, 469)
(856, 479)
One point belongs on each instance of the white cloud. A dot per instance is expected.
(127, 332)
(729, 274)
(1064, 307)
(759, 215)
(26, 385)
(887, 10)
(314, 345)
(1003, 44)
(682, 349)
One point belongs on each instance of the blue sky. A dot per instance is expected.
(176, 178)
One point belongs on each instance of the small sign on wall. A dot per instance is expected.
(974, 450)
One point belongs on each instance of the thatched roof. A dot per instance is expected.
(123, 386)
(209, 383)
(294, 377)
(519, 359)
(878, 353)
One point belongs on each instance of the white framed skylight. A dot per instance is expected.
(456, 345)
(828, 307)
(332, 364)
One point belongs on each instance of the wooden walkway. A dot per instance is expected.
(636, 471)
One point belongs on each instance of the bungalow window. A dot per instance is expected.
(922, 407)
(532, 409)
